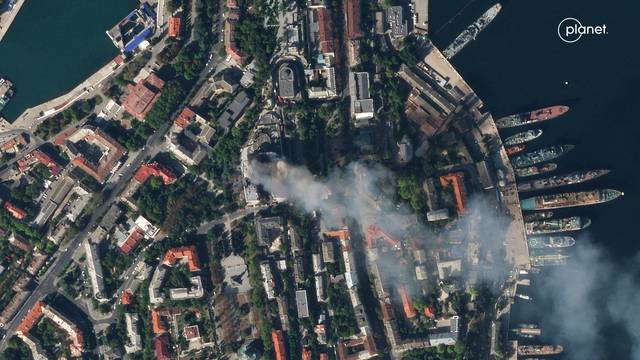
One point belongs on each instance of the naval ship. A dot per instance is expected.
(548, 260)
(523, 137)
(540, 155)
(535, 170)
(515, 149)
(531, 117)
(531, 350)
(550, 242)
(540, 215)
(471, 32)
(561, 180)
(564, 200)
(6, 92)
(551, 226)
(527, 330)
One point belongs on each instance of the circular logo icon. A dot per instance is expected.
(569, 30)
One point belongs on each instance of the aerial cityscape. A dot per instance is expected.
(316, 179)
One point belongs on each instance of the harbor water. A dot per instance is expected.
(518, 63)
(53, 45)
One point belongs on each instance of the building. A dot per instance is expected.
(302, 304)
(407, 304)
(94, 267)
(131, 32)
(75, 336)
(134, 343)
(194, 292)
(278, 344)
(186, 149)
(353, 12)
(142, 96)
(161, 347)
(269, 230)
(322, 82)
(230, 43)
(446, 332)
(396, 23)
(94, 152)
(147, 170)
(328, 251)
(19, 242)
(37, 156)
(320, 30)
(235, 109)
(14, 144)
(456, 180)
(286, 81)
(450, 268)
(156, 295)
(185, 254)
(14, 211)
(228, 80)
(267, 280)
(361, 101)
(174, 27)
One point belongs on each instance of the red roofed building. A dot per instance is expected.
(96, 166)
(154, 169)
(118, 60)
(230, 43)
(19, 242)
(407, 305)
(161, 347)
(325, 36)
(127, 298)
(187, 253)
(142, 96)
(131, 242)
(185, 118)
(32, 318)
(12, 143)
(430, 312)
(278, 344)
(457, 182)
(157, 322)
(14, 211)
(352, 11)
(306, 354)
(174, 26)
(37, 156)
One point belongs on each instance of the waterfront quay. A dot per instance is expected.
(6, 18)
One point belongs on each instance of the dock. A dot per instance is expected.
(6, 19)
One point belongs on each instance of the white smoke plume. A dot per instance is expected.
(590, 294)
(366, 193)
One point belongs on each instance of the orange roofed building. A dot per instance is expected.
(154, 169)
(98, 167)
(158, 323)
(142, 96)
(352, 10)
(278, 344)
(230, 43)
(37, 156)
(187, 253)
(185, 118)
(174, 26)
(14, 211)
(32, 318)
(457, 182)
(407, 305)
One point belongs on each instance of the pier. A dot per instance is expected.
(7, 18)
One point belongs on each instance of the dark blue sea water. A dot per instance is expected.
(519, 63)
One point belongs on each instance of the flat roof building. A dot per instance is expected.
(142, 96)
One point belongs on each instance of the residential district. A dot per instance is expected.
(133, 225)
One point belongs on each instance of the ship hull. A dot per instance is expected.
(523, 137)
(550, 242)
(540, 156)
(553, 226)
(531, 117)
(567, 200)
(561, 180)
(535, 170)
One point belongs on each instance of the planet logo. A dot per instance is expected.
(570, 30)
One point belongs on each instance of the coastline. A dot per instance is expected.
(6, 19)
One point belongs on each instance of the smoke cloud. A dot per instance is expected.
(589, 295)
(366, 193)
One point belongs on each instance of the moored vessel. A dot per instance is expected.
(527, 330)
(531, 117)
(6, 92)
(515, 149)
(523, 137)
(550, 242)
(573, 223)
(548, 260)
(472, 31)
(527, 350)
(572, 199)
(540, 215)
(535, 170)
(540, 155)
(575, 177)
